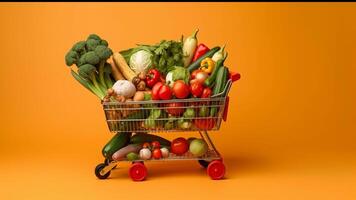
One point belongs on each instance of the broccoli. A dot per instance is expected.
(90, 57)
(79, 47)
(88, 72)
(92, 44)
(71, 57)
(94, 36)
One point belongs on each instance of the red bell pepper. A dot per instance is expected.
(201, 50)
(205, 124)
(206, 93)
(153, 76)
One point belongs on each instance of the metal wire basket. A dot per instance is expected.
(168, 115)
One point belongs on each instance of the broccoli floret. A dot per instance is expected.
(104, 42)
(91, 58)
(103, 52)
(92, 44)
(79, 47)
(94, 36)
(86, 71)
(81, 61)
(71, 58)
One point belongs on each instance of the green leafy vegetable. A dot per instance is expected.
(165, 55)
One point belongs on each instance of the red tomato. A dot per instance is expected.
(180, 89)
(165, 92)
(156, 153)
(174, 109)
(193, 81)
(179, 146)
(196, 89)
(206, 93)
(194, 73)
(155, 144)
(155, 90)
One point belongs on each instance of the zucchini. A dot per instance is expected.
(211, 79)
(221, 80)
(124, 68)
(195, 65)
(144, 137)
(117, 142)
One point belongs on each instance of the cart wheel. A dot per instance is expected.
(138, 171)
(98, 168)
(107, 162)
(216, 170)
(203, 163)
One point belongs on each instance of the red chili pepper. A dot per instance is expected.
(206, 93)
(152, 77)
(201, 50)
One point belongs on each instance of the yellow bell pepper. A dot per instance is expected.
(207, 65)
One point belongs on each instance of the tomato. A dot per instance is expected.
(206, 93)
(155, 144)
(180, 89)
(174, 109)
(179, 146)
(204, 124)
(196, 89)
(165, 92)
(155, 90)
(161, 91)
(194, 73)
(156, 153)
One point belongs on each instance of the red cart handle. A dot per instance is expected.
(234, 76)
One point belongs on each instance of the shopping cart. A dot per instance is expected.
(116, 117)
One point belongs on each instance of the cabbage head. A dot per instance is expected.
(140, 61)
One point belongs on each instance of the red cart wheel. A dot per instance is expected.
(216, 170)
(138, 171)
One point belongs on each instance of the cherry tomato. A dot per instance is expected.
(156, 153)
(196, 89)
(174, 109)
(155, 90)
(155, 144)
(180, 89)
(194, 73)
(179, 146)
(206, 93)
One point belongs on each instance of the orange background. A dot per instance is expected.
(291, 127)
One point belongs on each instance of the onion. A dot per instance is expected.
(201, 76)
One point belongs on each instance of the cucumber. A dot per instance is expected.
(221, 80)
(195, 65)
(117, 142)
(209, 82)
(144, 137)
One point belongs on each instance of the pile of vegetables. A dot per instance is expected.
(169, 69)
(143, 146)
